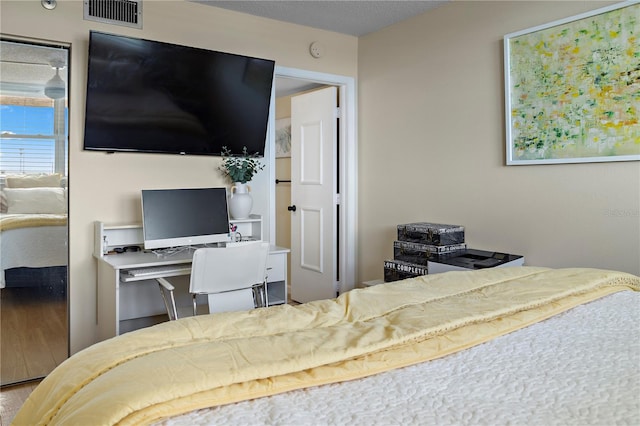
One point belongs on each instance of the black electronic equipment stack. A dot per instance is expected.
(417, 244)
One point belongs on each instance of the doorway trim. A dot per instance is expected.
(347, 167)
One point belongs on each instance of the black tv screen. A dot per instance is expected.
(150, 96)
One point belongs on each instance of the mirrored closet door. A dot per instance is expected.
(33, 209)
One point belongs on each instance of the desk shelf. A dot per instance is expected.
(277, 293)
(250, 228)
(107, 237)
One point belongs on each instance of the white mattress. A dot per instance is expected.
(581, 367)
(33, 247)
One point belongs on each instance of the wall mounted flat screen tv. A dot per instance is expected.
(150, 96)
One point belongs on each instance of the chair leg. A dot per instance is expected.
(195, 305)
(259, 295)
(265, 294)
(173, 305)
(170, 309)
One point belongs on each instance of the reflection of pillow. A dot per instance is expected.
(36, 200)
(34, 181)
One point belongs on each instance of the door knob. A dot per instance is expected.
(292, 208)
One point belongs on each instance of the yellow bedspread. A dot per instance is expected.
(15, 221)
(210, 360)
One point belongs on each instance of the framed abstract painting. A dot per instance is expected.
(572, 89)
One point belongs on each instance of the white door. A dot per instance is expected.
(314, 143)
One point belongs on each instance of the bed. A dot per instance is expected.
(33, 224)
(522, 345)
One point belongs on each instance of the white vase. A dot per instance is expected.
(240, 202)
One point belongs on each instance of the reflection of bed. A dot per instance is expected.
(32, 241)
(33, 226)
(579, 367)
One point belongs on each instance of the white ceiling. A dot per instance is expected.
(26, 68)
(357, 18)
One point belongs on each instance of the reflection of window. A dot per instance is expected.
(33, 135)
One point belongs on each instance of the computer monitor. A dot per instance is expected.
(184, 217)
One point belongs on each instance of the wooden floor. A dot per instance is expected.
(33, 341)
(12, 398)
(33, 332)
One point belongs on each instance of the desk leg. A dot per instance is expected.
(108, 301)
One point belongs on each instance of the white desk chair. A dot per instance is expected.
(233, 277)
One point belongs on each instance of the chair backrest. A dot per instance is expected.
(235, 267)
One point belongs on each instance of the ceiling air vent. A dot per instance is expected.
(119, 12)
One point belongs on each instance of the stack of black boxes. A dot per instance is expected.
(417, 244)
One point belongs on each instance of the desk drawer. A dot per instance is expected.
(276, 267)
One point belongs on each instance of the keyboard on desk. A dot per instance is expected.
(161, 270)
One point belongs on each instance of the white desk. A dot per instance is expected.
(122, 305)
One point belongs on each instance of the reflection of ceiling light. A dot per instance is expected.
(55, 88)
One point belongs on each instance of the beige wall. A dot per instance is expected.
(106, 187)
(432, 148)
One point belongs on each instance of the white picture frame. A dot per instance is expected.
(571, 89)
